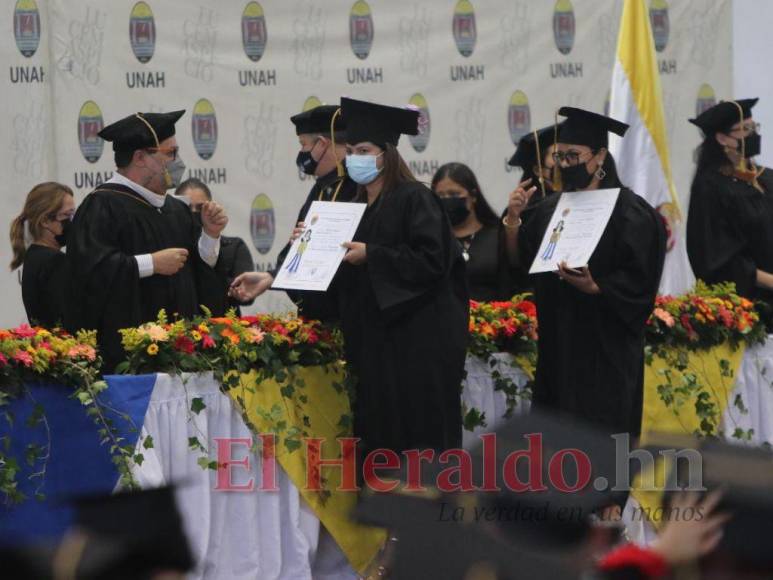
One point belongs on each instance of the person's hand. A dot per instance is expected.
(519, 199)
(580, 278)
(250, 285)
(213, 219)
(168, 262)
(685, 539)
(357, 253)
(297, 231)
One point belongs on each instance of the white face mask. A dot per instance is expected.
(362, 168)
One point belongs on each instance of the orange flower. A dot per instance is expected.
(222, 320)
(230, 335)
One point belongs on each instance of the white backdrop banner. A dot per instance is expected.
(483, 71)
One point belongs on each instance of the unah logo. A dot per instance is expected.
(204, 128)
(660, 24)
(310, 103)
(361, 29)
(90, 123)
(563, 26)
(465, 33)
(262, 226)
(142, 32)
(254, 34)
(26, 27)
(706, 99)
(419, 142)
(518, 116)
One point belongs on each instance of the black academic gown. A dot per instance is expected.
(730, 232)
(111, 227)
(44, 283)
(404, 316)
(591, 347)
(234, 259)
(312, 304)
(489, 275)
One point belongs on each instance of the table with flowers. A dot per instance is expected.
(189, 385)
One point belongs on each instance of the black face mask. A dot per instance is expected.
(752, 144)
(61, 239)
(575, 177)
(456, 209)
(306, 162)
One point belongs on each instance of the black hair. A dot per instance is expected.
(711, 155)
(193, 183)
(465, 177)
(612, 178)
(123, 158)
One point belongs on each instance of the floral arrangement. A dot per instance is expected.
(509, 326)
(229, 343)
(32, 354)
(704, 318)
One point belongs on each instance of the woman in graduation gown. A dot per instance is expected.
(47, 216)
(490, 276)
(730, 223)
(405, 309)
(592, 319)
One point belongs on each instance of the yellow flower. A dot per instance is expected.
(292, 325)
(153, 349)
(204, 328)
(196, 335)
(156, 332)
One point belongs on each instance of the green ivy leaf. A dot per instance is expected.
(197, 405)
(148, 442)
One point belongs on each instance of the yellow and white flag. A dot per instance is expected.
(642, 155)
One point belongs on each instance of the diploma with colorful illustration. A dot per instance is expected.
(575, 229)
(315, 255)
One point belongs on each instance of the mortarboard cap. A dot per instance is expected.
(317, 120)
(141, 130)
(525, 155)
(722, 116)
(587, 128)
(376, 123)
(745, 477)
(432, 548)
(147, 523)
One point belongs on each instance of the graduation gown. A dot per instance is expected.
(404, 315)
(44, 285)
(111, 227)
(730, 231)
(489, 275)
(312, 304)
(234, 259)
(591, 347)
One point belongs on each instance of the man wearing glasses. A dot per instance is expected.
(135, 250)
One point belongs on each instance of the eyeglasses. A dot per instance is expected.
(751, 127)
(172, 151)
(571, 157)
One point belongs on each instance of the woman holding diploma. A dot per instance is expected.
(402, 293)
(592, 319)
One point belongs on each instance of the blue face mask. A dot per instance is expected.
(362, 168)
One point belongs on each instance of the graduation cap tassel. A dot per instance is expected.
(541, 177)
(557, 183)
(339, 166)
(741, 162)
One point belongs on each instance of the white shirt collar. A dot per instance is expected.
(153, 199)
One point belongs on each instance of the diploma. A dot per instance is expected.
(575, 229)
(315, 255)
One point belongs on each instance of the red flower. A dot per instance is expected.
(510, 327)
(528, 308)
(313, 337)
(23, 357)
(3, 360)
(207, 341)
(685, 320)
(25, 331)
(184, 344)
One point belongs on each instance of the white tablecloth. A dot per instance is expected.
(478, 392)
(256, 535)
